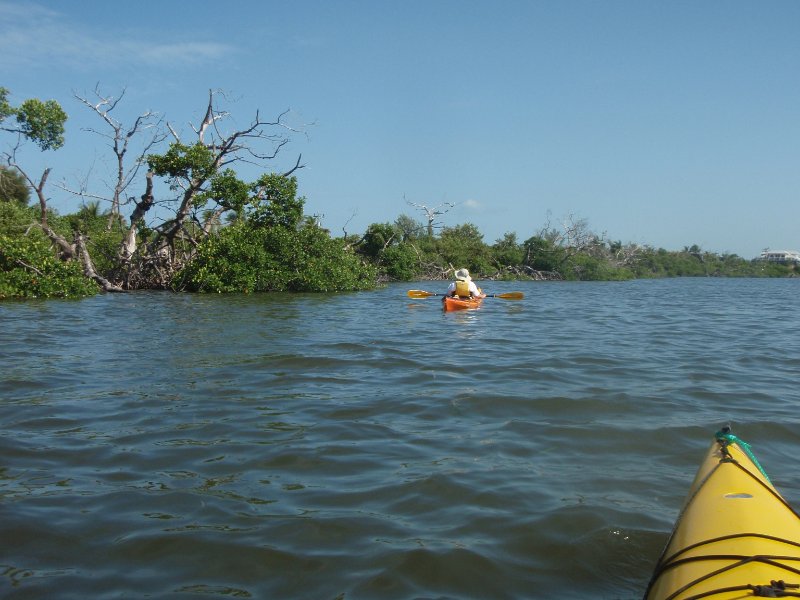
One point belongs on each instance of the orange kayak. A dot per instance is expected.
(454, 303)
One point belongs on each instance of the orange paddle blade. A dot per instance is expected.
(509, 296)
(420, 294)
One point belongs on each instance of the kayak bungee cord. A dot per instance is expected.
(776, 588)
(722, 538)
(758, 590)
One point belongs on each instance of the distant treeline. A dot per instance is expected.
(252, 256)
(408, 250)
(215, 232)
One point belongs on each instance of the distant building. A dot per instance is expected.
(781, 256)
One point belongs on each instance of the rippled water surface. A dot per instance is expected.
(367, 445)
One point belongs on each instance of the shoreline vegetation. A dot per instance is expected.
(179, 217)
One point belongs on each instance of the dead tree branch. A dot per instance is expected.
(432, 213)
(88, 266)
(65, 249)
(119, 138)
(226, 149)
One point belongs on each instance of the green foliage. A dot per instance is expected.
(595, 259)
(462, 246)
(89, 217)
(28, 264)
(272, 246)
(42, 122)
(13, 187)
(275, 202)
(410, 229)
(102, 242)
(766, 269)
(661, 263)
(584, 267)
(39, 122)
(269, 246)
(379, 236)
(103, 246)
(227, 190)
(543, 254)
(16, 219)
(400, 262)
(194, 162)
(29, 269)
(247, 258)
(693, 262)
(507, 251)
(6, 110)
(323, 265)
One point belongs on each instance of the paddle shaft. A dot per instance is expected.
(506, 296)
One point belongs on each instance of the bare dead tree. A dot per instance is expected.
(226, 149)
(573, 236)
(173, 241)
(346, 235)
(628, 254)
(578, 236)
(432, 213)
(128, 246)
(119, 138)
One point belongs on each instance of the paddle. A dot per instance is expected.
(506, 296)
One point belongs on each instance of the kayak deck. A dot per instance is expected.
(455, 303)
(736, 536)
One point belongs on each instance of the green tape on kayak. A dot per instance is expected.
(724, 435)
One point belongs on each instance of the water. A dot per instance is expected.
(368, 446)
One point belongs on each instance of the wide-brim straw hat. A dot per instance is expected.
(463, 275)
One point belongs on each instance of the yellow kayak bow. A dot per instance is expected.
(736, 536)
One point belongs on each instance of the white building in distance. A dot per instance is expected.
(781, 256)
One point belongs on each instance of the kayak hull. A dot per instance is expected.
(736, 536)
(453, 303)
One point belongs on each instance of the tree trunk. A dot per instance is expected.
(128, 246)
(88, 266)
(66, 251)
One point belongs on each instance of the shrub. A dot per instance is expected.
(29, 269)
(244, 258)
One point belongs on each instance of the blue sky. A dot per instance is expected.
(660, 123)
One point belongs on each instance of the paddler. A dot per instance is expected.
(464, 287)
